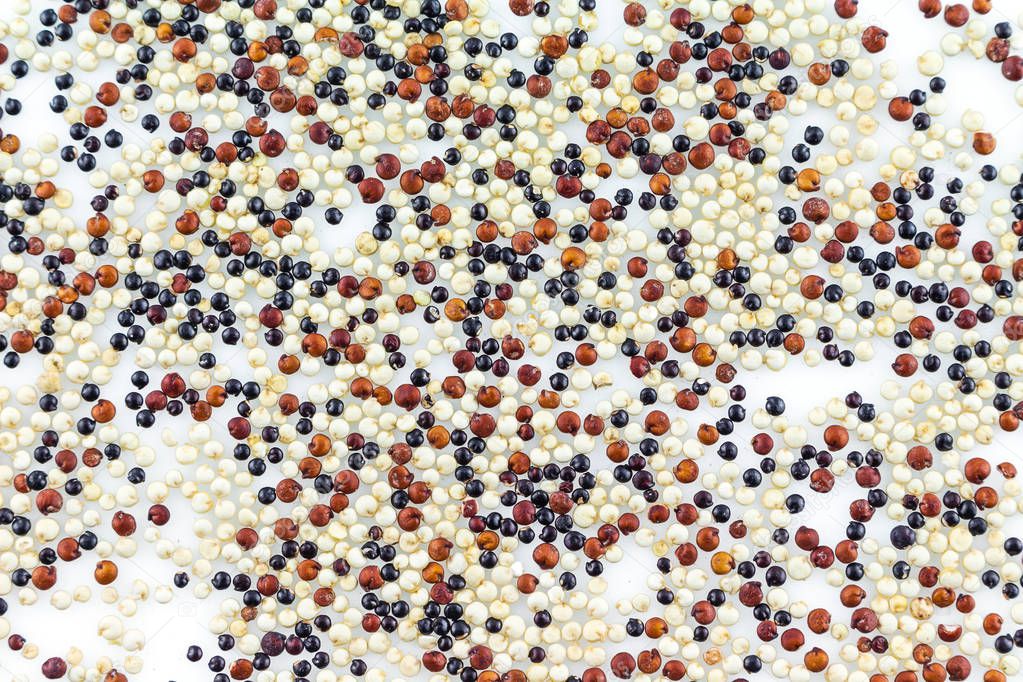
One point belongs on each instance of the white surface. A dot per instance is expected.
(170, 628)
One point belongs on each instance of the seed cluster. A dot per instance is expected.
(402, 331)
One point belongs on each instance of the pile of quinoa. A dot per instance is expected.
(398, 333)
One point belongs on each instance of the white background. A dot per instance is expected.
(171, 627)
